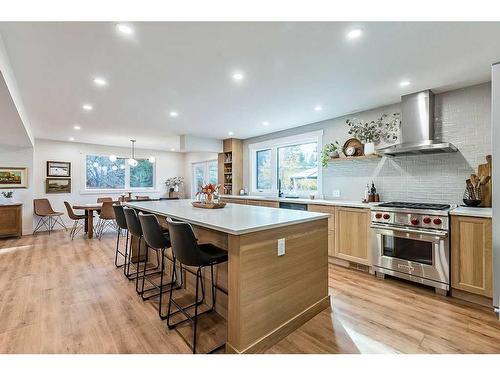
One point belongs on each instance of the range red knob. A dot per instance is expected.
(414, 221)
(378, 216)
(437, 221)
(387, 216)
(427, 220)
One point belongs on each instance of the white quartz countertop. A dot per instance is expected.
(473, 211)
(326, 202)
(233, 219)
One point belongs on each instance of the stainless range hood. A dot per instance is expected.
(417, 127)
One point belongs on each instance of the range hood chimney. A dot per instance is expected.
(417, 127)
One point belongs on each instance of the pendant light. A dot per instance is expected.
(132, 162)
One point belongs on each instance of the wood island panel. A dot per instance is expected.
(270, 296)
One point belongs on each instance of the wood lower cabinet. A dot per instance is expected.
(331, 223)
(262, 203)
(11, 217)
(234, 200)
(352, 234)
(471, 255)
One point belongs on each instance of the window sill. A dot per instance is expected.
(118, 191)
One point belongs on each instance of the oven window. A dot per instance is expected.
(408, 249)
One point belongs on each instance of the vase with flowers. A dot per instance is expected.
(173, 184)
(385, 128)
(8, 196)
(207, 192)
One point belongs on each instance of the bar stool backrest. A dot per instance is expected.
(184, 244)
(133, 224)
(152, 231)
(120, 216)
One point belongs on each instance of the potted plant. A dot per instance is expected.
(8, 196)
(384, 128)
(330, 151)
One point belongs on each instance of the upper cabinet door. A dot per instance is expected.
(471, 257)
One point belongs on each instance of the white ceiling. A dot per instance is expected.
(187, 67)
(13, 132)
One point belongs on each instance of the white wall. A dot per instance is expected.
(21, 157)
(463, 117)
(168, 164)
(190, 158)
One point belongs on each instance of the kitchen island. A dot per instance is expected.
(268, 295)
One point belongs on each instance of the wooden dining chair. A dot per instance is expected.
(48, 217)
(106, 218)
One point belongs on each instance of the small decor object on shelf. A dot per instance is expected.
(8, 196)
(173, 184)
(330, 151)
(57, 185)
(353, 147)
(13, 178)
(58, 169)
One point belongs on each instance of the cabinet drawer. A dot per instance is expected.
(234, 200)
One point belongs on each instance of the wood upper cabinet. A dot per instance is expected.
(352, 234)
(331, 223)
(11, 220)
(471, 255)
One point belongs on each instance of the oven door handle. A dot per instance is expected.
(408, 230)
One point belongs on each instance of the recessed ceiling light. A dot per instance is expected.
(354, 34)
(238, 76)
(230, 133)
(77, 127)
(174, 114)
(404, 83)
(172, 149)
(318, 108)
(98, 81)
(265, 123)
(124, 29)
(87, 107)
(71, 139)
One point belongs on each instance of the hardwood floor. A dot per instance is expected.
(62, 296)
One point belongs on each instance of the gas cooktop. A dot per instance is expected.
(418, 206)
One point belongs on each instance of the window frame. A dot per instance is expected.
(206, 164)
(127, 188)
(274, 144)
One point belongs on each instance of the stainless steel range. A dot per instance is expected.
(411, 241)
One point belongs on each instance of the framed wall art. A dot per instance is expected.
(13, 177)
(58, 169)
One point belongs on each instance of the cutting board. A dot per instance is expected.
(485, 170)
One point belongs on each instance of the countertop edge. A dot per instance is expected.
(319, 216)
(483, 212)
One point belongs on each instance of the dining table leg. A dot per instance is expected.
(90, 224)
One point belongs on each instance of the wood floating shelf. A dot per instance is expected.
(364, 157)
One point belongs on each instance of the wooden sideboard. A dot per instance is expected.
(11, 220)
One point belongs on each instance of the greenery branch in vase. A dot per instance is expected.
(330, 151)
(385, 128)
(173, 184)
(8, 195)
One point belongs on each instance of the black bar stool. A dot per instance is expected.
(122, 225)
(135, 229)
(188, 252)
(156, 238)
